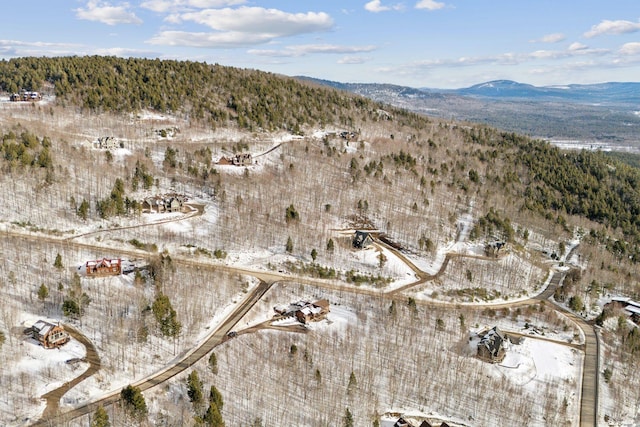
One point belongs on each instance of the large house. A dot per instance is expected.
(104, 267)
(492, 346)
(161, 204)
(361, 239)
(411, 422)
(240, 159)
(107, 143)
(25, 96)
(313, 312)
(495, 249)
(49, 335)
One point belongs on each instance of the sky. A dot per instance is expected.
(417, 43)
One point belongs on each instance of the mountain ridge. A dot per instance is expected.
(614, 92)
(606, 112)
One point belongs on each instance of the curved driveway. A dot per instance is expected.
(589, 389)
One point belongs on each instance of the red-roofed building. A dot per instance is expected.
(104, 267)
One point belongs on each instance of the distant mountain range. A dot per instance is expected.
(601, 93)
(604, 112)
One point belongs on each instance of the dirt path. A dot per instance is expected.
(196, 210)
(53, 397)
(217, 337)
(591, 347)
(589, 391)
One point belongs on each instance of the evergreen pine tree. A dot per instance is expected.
(348, 418)
(216, 397)
(213, 417)
(100, 418)
(134, 401)
(58, 262)
(194, 388)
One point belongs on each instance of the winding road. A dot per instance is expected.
(52, 416)
(218, 336)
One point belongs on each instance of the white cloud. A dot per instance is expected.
(575, 49)
(15, 48)
(243, 26)
(350, 60)
(613, 27)
(107, 14)
(257, 20)
(208, 40)
(547, 57)
(429, 5)
(376, 6)
(632, 48)
(547, 54)
(302, 50)
(163, 6)
(125, 52)
(577, 46)
(551, 38)
(160, 6)
(205, 4)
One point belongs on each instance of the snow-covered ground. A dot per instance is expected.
(532, 366)
(34, 372)
(360, 326)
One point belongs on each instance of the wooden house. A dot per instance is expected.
(349, 136)
(492, 346)
(104, 267)
(25, 96)
(361, 239)
(49, 335)
(107, 143)
(225, 161)
(152, 204)
(402, 423)
(161, 204)
(495, 249)
(174, 204)
(313, 312)
(243, 159)
(240, 159)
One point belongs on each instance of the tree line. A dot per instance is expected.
(210, 93)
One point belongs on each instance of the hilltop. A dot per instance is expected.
(271, 177)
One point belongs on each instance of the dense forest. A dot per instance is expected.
(215, 94)
(557, 183)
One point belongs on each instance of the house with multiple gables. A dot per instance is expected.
(493, 345)
(362, 239)
(104, 267)
(25, 96)
(348, 135)
(495, 249)
(304, 311)
(162, 204)
(49, 335)
(411, 422)
(107, 143)
(240, 159)
(630, 307)
(313, 312)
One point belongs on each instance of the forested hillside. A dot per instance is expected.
(215, 94)
(322, 163)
